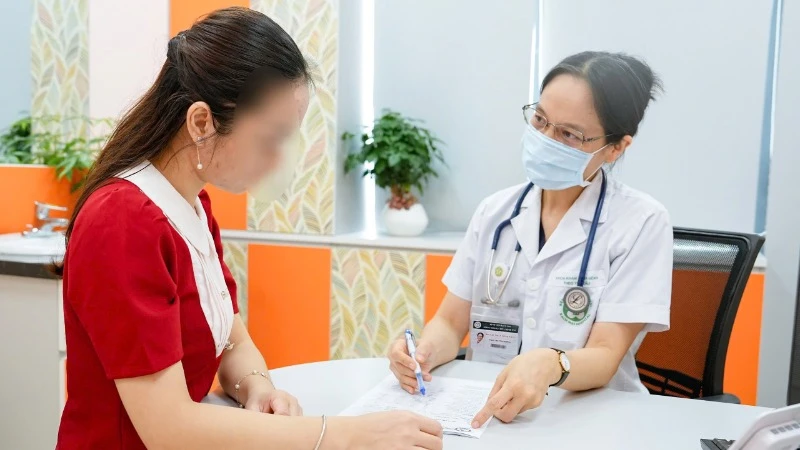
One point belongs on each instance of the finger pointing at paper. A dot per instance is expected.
(521, 386)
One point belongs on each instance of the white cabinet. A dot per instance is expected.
(32, 362)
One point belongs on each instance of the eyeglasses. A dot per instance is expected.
(563, 133)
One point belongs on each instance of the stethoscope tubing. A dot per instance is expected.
(490, 300)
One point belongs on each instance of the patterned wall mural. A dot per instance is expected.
(375, 296)
(307, 206)
(60, 60)
(235, 254)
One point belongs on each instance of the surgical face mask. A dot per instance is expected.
(552, 165)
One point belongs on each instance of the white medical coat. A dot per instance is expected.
(629, 277)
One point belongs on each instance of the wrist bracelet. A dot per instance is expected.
(239, 384)
(322, 433)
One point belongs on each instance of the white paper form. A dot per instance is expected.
(453, 402)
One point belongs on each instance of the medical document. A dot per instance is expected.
(453, 402)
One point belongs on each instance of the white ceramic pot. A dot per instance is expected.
(405, 222)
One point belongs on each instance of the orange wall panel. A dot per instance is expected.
(20, 186)
(230, 210)
(289, 294)
(435, 290)
(436, 266)
(741, 366)
(183, 13)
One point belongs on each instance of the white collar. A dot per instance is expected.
(192, 225)
(190, 222)
(586, 202)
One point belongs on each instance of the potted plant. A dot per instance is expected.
(71, 156)
(15, 143)
(400, 154)
(41, 160)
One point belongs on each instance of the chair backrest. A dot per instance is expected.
(710, 271)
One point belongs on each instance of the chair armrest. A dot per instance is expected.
(722, 398)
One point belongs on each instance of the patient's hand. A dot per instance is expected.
(274, 401)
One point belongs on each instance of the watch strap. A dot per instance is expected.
(564, 372)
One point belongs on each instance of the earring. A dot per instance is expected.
(199, 141)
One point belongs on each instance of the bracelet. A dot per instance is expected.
(322, 434)
(239, 384)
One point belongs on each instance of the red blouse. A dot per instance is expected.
(131, 308)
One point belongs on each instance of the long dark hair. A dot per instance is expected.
(212, 62)
(622, 87)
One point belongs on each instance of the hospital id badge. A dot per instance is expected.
(495, 333)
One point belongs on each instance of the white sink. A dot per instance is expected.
(16, 247)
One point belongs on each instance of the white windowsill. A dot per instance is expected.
(432, 242)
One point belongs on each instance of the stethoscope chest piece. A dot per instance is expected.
(576, 303)
(499, 272)
(512, 304)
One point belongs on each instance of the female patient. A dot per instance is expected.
(150, 308)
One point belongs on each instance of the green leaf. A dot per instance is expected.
(66, 168)
(53, 140)
(402, 150)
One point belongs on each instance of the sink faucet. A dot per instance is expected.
(46, 224)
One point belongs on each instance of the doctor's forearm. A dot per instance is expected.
(447, 329)
(590, 368)
(445, 340)
(594, 365)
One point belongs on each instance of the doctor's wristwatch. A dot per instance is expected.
(563, 361)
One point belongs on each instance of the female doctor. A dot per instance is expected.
(564, 275)
(150, 307)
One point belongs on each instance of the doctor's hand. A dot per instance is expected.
(273, 401)
(521, 386)
(402, 366)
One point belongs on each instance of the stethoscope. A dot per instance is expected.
(578, 297)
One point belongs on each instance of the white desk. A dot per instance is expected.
(597, 420)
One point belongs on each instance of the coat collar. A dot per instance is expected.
(190, 222)
(569, 233)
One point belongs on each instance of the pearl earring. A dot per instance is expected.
(199, 164)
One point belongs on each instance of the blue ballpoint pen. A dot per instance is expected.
(412, 350)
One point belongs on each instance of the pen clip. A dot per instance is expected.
(411, 335)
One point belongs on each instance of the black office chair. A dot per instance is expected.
(710, 271)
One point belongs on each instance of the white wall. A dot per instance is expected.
(783, 220)
(698, 148)
(351, 93)
(464, 67)
(15, 53)
(127, 46)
